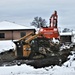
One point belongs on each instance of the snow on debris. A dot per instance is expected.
(64, 47)
(55, 40)
(71, 61)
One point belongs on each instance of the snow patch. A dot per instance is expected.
(6, 45)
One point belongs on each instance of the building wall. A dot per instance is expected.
(17, 34)
(8, 35)
(65, 38)
(14, 34)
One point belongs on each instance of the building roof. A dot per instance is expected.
(4, 25)
(65, 33)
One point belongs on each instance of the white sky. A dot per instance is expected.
(23, 11)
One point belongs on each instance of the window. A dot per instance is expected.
(2, 35)
(23, 34)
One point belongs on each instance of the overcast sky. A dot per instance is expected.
(23, 11)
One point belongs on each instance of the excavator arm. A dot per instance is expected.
(26, 36)
(23, 47)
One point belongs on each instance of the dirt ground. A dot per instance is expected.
(8, 58)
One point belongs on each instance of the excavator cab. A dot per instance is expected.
(49, 32)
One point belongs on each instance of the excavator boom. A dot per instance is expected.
(25, 36)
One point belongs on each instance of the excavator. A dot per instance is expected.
(38, 49)
(38, 45)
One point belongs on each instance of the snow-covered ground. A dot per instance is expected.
(29, 70)
(6, 45)
(68, 68)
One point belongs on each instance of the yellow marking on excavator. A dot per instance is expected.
(25, 36)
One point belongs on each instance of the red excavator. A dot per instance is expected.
(51, 31)
(39, 45)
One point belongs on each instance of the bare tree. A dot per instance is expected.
(39, 22)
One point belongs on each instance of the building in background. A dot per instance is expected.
(12, 31)
(67, 37)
